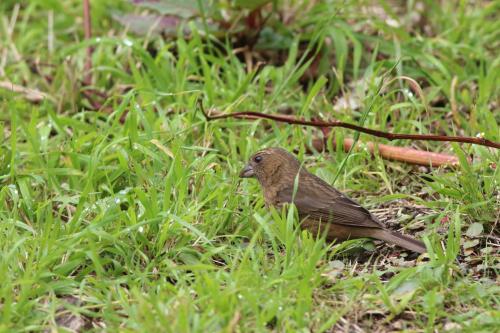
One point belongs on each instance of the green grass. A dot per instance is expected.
(146, 224)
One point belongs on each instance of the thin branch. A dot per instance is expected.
(87, 26)
(400, 154)
(32, 95)
(250, 115)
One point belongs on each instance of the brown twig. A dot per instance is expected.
(400, 154)
(87, 26)
(32, 95)
(250, 115)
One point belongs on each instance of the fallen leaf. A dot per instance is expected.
(72, 321)
(336, 264)
(164, 149)
(474, 230)
(471, 243)
(31, 95)
(450, 326)
(182, 8)
(405, 288)
(336, 268)
(144, 24)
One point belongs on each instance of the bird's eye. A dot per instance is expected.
(257, 159)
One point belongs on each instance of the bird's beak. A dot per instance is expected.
(247, 172)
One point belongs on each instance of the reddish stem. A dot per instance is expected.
(336, 123)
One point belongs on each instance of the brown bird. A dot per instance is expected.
(321, 207)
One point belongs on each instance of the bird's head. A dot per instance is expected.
(271, 165)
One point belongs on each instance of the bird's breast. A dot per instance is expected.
(271, 197)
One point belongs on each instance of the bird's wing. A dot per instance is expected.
(318, 200)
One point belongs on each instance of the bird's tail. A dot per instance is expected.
(404, 241)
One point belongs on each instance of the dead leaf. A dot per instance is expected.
(471, 243)
(474, 230)
(31, 95)
(164, 149)
(182, 8)
(70, 320)
(144, 24)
